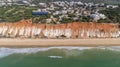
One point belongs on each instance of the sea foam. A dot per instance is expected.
(55, 56)
(9, 51)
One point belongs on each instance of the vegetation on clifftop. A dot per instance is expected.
(113, 15)
(16, 13)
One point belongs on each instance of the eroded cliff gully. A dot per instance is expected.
(27, 29)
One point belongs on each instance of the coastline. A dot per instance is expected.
(8, 42)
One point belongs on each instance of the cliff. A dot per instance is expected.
(27, 29)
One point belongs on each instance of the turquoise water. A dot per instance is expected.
(93, 57)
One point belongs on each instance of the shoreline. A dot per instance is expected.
(8, 42)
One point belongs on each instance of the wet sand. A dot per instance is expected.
(58, 42)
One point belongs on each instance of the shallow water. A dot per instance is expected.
(60, 57)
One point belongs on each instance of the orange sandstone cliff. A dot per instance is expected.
(27, 29)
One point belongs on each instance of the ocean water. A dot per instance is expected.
(60, 57)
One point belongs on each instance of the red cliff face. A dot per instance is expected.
(26, 29)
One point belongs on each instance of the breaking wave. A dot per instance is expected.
(9, 51)
(55, 56)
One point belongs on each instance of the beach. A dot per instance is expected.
(16, 52)
(8, 42)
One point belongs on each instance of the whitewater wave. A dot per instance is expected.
(9, 51)
(55, 56)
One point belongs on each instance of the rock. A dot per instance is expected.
(27, 29)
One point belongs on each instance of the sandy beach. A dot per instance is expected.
(58, 42)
